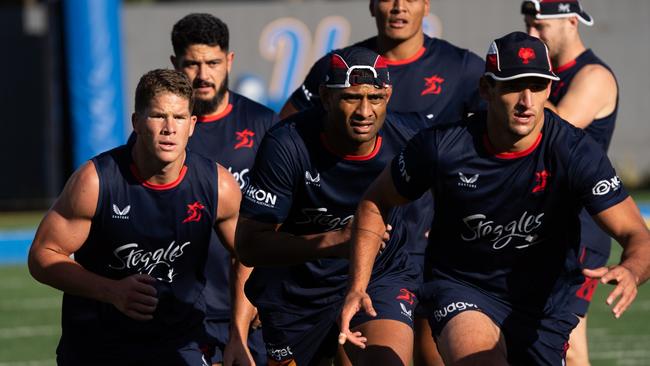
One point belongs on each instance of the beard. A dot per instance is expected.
(205, 107)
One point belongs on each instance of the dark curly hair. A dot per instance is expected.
(199, 28)
(162, 81)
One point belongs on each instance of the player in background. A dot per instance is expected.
(586, 96)
(509, 185)
(311, 171)
(228, 131)
(430, 76)
(138, 220)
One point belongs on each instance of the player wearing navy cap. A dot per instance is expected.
(138, 220)
(229, 130)
(430, 76)
(508, 186)
(586, 96)
(311, 171)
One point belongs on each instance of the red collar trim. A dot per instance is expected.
(216, 117)
(158, 187)
(510, 155)
(406, 60)
(372, 154)
(566, 66)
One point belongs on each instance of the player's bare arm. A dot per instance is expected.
(591, 95)
(258, 243)
(63, 231)
(625, 224)
(228, 208)
(236, 352)
(367, 232)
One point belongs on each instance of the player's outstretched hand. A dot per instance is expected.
(354, 302)
(236, 353)
(626, 286)
(135, 296)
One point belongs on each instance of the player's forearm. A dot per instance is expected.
(636, 256)
(242, 310)
(63, 273)
(275, 248)
(367, 236)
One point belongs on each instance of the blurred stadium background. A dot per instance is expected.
(71, 70)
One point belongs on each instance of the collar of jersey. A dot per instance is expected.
(510, 155)
(372, 154)
(158, 187)
(565, 67)
(216, 117)
(406, 61)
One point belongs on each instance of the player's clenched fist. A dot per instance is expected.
(135, 296)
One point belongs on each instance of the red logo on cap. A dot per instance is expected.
(492, 62)
(526, 54)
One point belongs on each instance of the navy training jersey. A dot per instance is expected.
(300, 183)
(508, 223)
(231, 139)
(600, 129)
(160, 230)
(440, 81)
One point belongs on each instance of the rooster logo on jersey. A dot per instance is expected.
(193, 212)
(432, 85)
(244, 139)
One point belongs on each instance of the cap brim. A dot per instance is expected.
(583, 17)
(523, 75)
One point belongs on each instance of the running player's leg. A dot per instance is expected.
(389, 334)
(472, 338)
(578, 352)
(425, 350)
(390, 342)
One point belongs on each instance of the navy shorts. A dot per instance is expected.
(307, 336)
(529, 340)
(219, 334)
(589, 258)
(593, 253)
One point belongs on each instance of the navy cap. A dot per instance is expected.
(518, 55)
(551, 9)
(355, 66)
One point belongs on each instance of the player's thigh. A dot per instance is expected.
(390, 342)
(578, 352)
(425, 350)
(472, 338)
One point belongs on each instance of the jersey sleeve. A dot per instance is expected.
(473, 70)
(268, 196)
(409, 123)
(306, 96)
(593, 178)
(412, 169)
